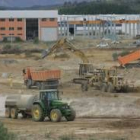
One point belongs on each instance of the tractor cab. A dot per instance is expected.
(49, 94)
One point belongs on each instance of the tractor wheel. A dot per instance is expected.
(72, 116)
(104, 87)
(110, 88)
(37, 113)
(28, 83)
(55, 115)
(38, 84)
(84, 87)
(14, 113)
(8, 112)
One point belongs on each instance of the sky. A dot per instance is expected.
(28, 3)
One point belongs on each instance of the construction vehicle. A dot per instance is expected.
(46, 104)
(65, 45)
(43, 79)
(127, 59)
(103, 79)
(85, 68)
(106, 80)
(112, 82)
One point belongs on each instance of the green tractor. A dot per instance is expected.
(46, 104)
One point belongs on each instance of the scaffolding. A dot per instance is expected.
(99, 26)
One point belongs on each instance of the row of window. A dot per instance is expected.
(11, 19)
(10, 34)
(10, 28)
(20, 19)
(48, 19)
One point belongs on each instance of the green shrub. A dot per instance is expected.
(5, 135)
(18, 39)
(115, 56)
(36, 40)
(123, 53)
(7, 47)
(66, 137)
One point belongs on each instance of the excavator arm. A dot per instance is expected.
(64, 44)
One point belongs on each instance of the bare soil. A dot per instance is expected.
(100, 116)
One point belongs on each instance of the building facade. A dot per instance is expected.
(29, 24)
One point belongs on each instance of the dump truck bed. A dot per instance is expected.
(129, 58)
(45, 75)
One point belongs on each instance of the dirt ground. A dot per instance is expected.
(100, 116)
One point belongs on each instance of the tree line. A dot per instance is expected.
(115, 7)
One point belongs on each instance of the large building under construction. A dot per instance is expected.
(47, 25)
(99, 26)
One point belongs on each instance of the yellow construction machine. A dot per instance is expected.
(106, 80)
(65, 45)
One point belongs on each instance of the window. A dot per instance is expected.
(11, 28)
(19, 34)
(11, 34)
(2, 19)
(19, 28)
(2, 28)
(2, 34)
(19, 19)
(44, 19)
(52, 19)
(11, 19)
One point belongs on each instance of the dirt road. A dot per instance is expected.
(81, 128)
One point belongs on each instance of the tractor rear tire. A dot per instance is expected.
(29, 83)
(14, 113)
(8, 112)
(37, 113)
(72, 116)
(110, 88)
(104, 87)
(55, 115)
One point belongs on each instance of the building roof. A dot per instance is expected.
(28, 13)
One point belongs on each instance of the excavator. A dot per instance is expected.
(65, 44)
(88, 75)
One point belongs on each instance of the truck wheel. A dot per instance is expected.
(104, 87)
(14, 113)
(38, 84)
(37, 113)
(72, 116)
(55, 115)
(28, 83)
(43, 85)
(8, 112)
(110, 88)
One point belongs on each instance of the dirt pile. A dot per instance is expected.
(106, 107)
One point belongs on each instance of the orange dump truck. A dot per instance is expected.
(123, 60)
(42, 79)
